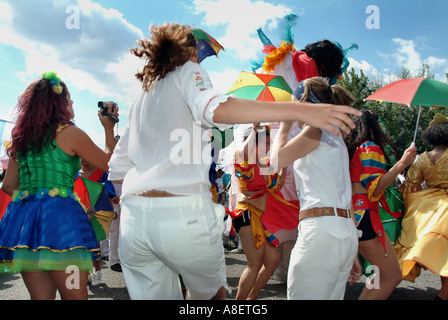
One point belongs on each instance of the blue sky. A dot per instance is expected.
(87, 41)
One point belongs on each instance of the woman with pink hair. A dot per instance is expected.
(45, 233)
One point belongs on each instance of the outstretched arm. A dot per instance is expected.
(75, 141)
(406, 160)
(284, 153)
(322, 116)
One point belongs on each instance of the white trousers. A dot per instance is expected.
(322, 258)
(162, 238)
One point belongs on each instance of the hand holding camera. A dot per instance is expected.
(109, 109)
(104, 107)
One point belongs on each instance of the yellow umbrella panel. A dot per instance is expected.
(261, 87)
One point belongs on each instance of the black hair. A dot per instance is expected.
(436, 135)
(368, 127)
(328, 58)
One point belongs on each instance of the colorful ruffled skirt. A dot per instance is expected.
(42, 233)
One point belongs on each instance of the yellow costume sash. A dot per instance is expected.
(256, 225)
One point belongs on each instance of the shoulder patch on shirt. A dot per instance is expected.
(199, 81)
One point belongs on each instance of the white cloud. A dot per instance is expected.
(92, 57)
(370, 71)
(240, 25)
(6, 14)
(224, 80)
(435, 62)
(441, 65)
(407, 55)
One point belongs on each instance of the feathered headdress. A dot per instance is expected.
(277, 54)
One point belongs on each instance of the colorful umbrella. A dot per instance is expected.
(261, 87)
(97, 205)
(414, 92)
(207, 45)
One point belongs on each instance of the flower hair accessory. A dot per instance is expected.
(55, 81)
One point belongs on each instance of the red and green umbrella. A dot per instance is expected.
(97, 204)
(414, 92)
(261, 87)
(207, 45)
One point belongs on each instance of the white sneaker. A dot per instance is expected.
(96, 278)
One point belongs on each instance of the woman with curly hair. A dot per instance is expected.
(366, 145)
(424, 236)
(169, 226)
(45, 233)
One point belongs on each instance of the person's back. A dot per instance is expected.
(326, 246)
(163, 162)
(435, 173)
(422, 242)
(50, 168)
(45, 230)
(323, 176)
(167, 113)
(164, 157)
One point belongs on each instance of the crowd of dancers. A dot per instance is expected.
(170, 233)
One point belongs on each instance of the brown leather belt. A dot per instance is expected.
(324, 211)
(156, 194)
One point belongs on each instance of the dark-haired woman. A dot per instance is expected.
(328, 59)
(366, 145)
(169, 226)
(424, 236)
(45, 233)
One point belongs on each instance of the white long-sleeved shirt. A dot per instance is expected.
(165, 145)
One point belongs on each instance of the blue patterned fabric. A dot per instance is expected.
(56, 224)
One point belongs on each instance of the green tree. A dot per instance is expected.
(359, 85)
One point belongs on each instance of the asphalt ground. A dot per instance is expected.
(113, 286)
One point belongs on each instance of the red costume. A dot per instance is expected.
(280, 214)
